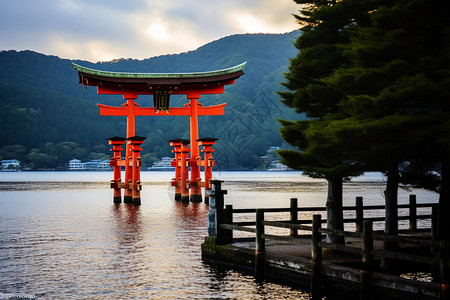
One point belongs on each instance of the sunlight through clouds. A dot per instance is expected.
(249, 24)
(158, 31)
(160, 35)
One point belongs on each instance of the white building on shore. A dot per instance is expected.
(76, 164)
(163, 165)
(10, 165)
(93, 165)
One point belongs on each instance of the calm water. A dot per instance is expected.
(61, 237)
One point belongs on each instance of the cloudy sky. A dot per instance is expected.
(101, 30)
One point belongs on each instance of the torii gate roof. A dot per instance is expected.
(147, 83)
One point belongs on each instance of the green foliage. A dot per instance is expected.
(148, 160)
(41, 160)
(397, 88)
(97, 155)
(326, 24)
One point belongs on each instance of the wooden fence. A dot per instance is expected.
(363, 231)
(358, 208)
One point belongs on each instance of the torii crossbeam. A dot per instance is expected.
(161, 86)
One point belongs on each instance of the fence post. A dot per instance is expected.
(367, 260)
(294, 215)
(412, 212)
(216, 212)
(359, 214)
(260, 247)
(227, 219)
(444, 271)
(316, 258)
(434, 220)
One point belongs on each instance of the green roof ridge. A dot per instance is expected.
(158, 75)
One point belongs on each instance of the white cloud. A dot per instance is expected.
(105, 29)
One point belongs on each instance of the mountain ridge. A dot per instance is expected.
(252, 106)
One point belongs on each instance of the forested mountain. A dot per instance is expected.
(47, 118)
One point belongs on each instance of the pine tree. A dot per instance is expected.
(397, 91)
(320, 53)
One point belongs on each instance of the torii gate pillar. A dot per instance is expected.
(207, 163)
(134, 163)
(196, 190)
(181, 165)
(128, 193)
(116, 162)
(184, 170)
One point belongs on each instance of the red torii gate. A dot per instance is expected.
(161, 86)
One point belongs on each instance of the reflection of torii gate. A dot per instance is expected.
(161, 86)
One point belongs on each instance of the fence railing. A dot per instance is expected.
(412, 217)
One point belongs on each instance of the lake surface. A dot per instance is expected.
(61, 237)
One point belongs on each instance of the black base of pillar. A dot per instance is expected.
(196, 198)
(128, 199)
(136, 201)
(185, 199)
(117, 200)
(207, 199)
(177, 197)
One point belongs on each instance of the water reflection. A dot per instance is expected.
(67, 240)
(190, 221)
(128, 228)
(127, 219)
(190, 214)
